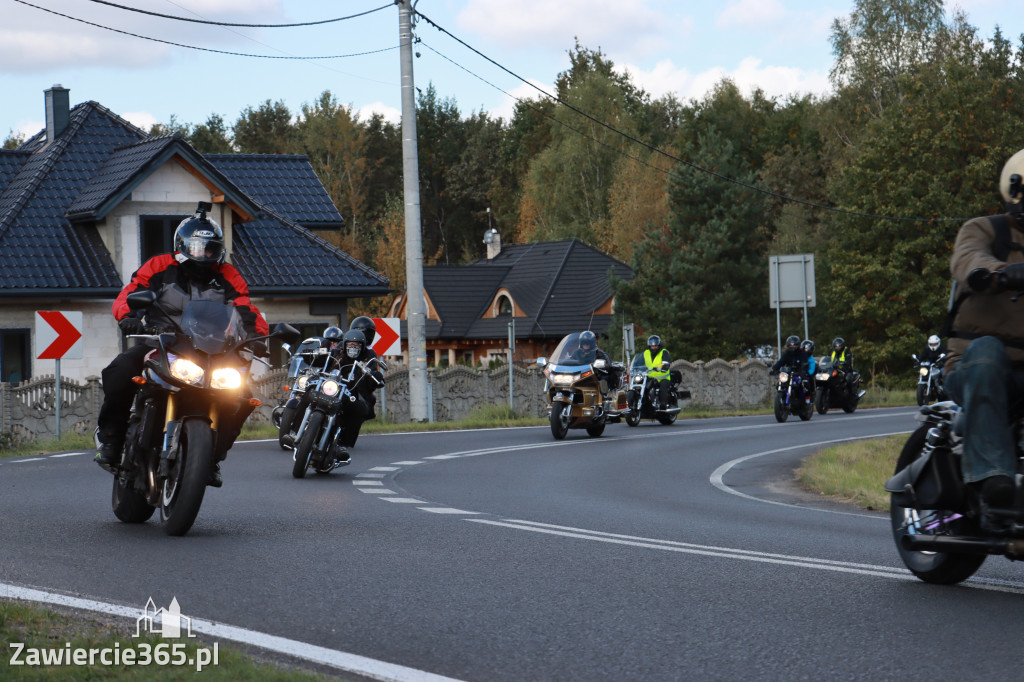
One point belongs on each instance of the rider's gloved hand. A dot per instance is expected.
(1012, 277)
(130, 324)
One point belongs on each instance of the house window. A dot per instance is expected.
(157, 234)
(15, 364)
(504, 307)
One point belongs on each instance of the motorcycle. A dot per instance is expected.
(647, 394)
(329, 392)
(936, 522)
(577, 397)
(194, 378)
(836, 388)
(792, 396)
(929, 380)
(304, 363)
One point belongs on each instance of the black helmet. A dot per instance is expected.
(793, 342)
(808, 346)
(654, 342)
(332, 335)
(354, 343)
(200, 240)
(366, 326)
(838, 344)
(588, 340)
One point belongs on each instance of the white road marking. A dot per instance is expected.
(376, 491)
(446, 510)
(383, 469)
(367, 475)
(69, 454)
(719, 473)
(367, 483)
(403, 500)
(32, 459)
(351, 663)
(741, 554)
(406, 464)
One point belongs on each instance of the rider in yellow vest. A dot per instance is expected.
(657, 359)
(842, 356)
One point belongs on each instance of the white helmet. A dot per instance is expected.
(1010, 180)
(933, 342)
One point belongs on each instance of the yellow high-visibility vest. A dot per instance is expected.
(653, 363)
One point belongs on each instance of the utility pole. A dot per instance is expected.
(416, 316)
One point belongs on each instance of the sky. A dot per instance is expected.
(682, 47)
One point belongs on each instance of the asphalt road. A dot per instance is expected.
(651, 553)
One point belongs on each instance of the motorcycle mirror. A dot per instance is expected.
(599, 364)
(139, 300)
(287, 332)
(542, 361)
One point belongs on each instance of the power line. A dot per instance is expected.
(225, 23)
(656, 150)
(205, 49)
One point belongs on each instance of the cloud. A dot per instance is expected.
(631, 27)
(508, 104)
(140, 119)
(750, 74)
(390, 114)
(751, 14)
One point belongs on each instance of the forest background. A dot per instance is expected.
(874, 180)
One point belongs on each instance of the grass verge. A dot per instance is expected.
(52, 633)
(853, 473)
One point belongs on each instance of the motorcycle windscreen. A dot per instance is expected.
(568, 356)
(213, 327)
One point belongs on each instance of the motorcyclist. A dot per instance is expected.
(657, 360)
(367, 389)
(933, 350)
(330, 339)
(354, 349)
(842, 355)
(195, 270)
(985, 361)
(588, 353)
(807, 346)
(793, 357)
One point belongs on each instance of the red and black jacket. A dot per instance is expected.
(165, 276)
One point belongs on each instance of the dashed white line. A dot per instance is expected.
(446, 510)
(367, 483)
(403, 500)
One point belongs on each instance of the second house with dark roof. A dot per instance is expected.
(87, 200)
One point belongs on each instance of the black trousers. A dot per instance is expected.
(119, 393)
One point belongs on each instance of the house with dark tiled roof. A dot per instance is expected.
(549, 289)
(87, 200)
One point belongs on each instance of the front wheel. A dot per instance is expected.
(633, 417)
(288, 415)
(781, 410)
(941, 568)
(821, 400)
(922, 394)
(184, 488)
(560, 415)
(304, 450)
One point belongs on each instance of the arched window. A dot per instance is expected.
(504, 307)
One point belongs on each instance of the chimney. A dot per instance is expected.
(58, 111)
(493, 241)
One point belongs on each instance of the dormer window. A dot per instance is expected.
(503, 307)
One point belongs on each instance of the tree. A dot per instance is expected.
(268, 129)
(211, 137)
(13, 140)
(700, 281)
(929, 163)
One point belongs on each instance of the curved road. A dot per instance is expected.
(655, 553)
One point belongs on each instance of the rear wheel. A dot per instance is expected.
(304, 450)
(595, 430)
(184, 488)
(781, 410)
(922, 394)
(851, 404)
(668, 419)
(942, 568)
(560, 415)
(806, 411)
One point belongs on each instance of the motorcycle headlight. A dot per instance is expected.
(185, 370)
(924, 371)
(301, 383)
(226, 377)
(561, 379)
(330, 388)
(638, 379)
(783, 377)
(821, 377)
